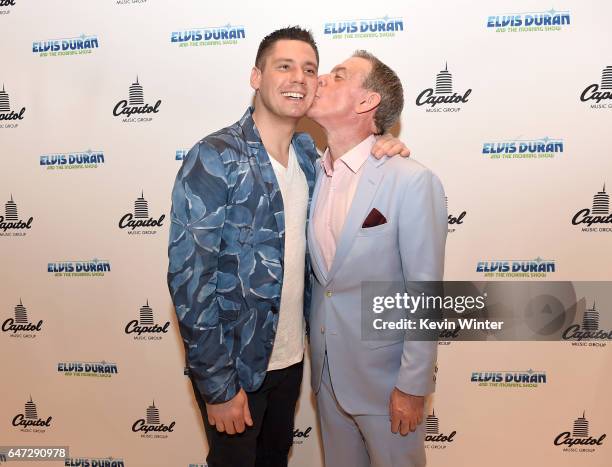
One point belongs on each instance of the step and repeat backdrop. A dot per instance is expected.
(510, 103)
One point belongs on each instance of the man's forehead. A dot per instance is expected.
(353, 64)
(293, 50)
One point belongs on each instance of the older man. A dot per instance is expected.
(372, 220)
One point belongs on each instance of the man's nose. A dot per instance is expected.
(298, 75)
(323, 80)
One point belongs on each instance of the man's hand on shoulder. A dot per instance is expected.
(406, 411)
(389, 145)
(231, 416)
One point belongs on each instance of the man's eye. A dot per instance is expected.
(284, 67)
(311, 72)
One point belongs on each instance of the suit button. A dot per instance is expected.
(328, 293)
(322, 329)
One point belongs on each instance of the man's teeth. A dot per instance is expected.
(295, 95)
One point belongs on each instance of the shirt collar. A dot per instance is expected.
(353, 159)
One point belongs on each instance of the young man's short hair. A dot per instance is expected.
(293, 33)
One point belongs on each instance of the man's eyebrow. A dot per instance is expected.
(290, 60)
(336, 69)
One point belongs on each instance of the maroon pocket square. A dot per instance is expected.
(373, 219)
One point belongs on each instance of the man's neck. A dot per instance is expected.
(276, 133)
(342, 140)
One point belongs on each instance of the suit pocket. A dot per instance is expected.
(377, 230)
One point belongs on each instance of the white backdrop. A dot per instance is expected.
(76, 170)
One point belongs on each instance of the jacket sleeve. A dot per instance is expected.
(199, 203)
(423, 226)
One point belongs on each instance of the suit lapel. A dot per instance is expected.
(366, 189)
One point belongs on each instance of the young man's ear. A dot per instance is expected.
(255, 78)
(369, 102)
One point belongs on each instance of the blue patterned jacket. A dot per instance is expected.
(226, 253)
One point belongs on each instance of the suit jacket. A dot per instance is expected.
(226, 253)
(408, 247)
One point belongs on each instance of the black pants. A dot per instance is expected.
(267, 442)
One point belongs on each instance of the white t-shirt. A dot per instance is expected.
(289, 342)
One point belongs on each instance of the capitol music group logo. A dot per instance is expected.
(579, 439)
(434, 439)
(20, 326)
(139, 221)
(443, 96)
(596, 93)
(6, 3)
(29, 421)
(152, 427)
(454, 220)
(135, 104)
(364, 28)
(10, 224)
(146, 325)
(6, 114)
(588, 330)
(598, 214)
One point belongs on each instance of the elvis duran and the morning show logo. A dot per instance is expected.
(530, 21)
(72, 160)
(84, 44)
(20, 326)
(94, 462)
(5, 6)
(363, 28)
(135, 105)
(151, 426)
(598, 218)
(139, 222)
(29, 420)
(101, 369)
(579, 439)
(597, 94)
(145, 328)
(587, 332)
(509, 379)
(443, 98)
(454, 219)
(12, 224)
(208, 36)
(541, 148)
(9, 116)
(93, 268)
(180, 154)
(434, 438)
(516, 268)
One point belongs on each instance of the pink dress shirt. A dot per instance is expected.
(338, 185)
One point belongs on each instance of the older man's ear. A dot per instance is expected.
(389, 145)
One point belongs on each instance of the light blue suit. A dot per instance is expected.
(408, 247)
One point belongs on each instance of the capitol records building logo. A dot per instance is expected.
(145, 328)
(72, 160)
(93, 369)
(11, 225)
(7, 114)
(600, 97)
(364, 28)
(434, 439)
(20, 326)
(5, 6)
(544, 21)
(579, 439)
(509, 379)
(589, 330)
(93, 268)
(85, 44)
(442, 98)
(542, 148)
(454, 220)
(95, 461)
(29, 421)
(537, 268)
(301, 436)
(598, 218)
(208, 36)
(152, 427)
(135, 105)
(139, 222)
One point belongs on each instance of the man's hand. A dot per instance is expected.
(231, 416)
(388, 145)
(406, 411)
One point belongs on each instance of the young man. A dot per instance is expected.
(239, 274)
(369, 393)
